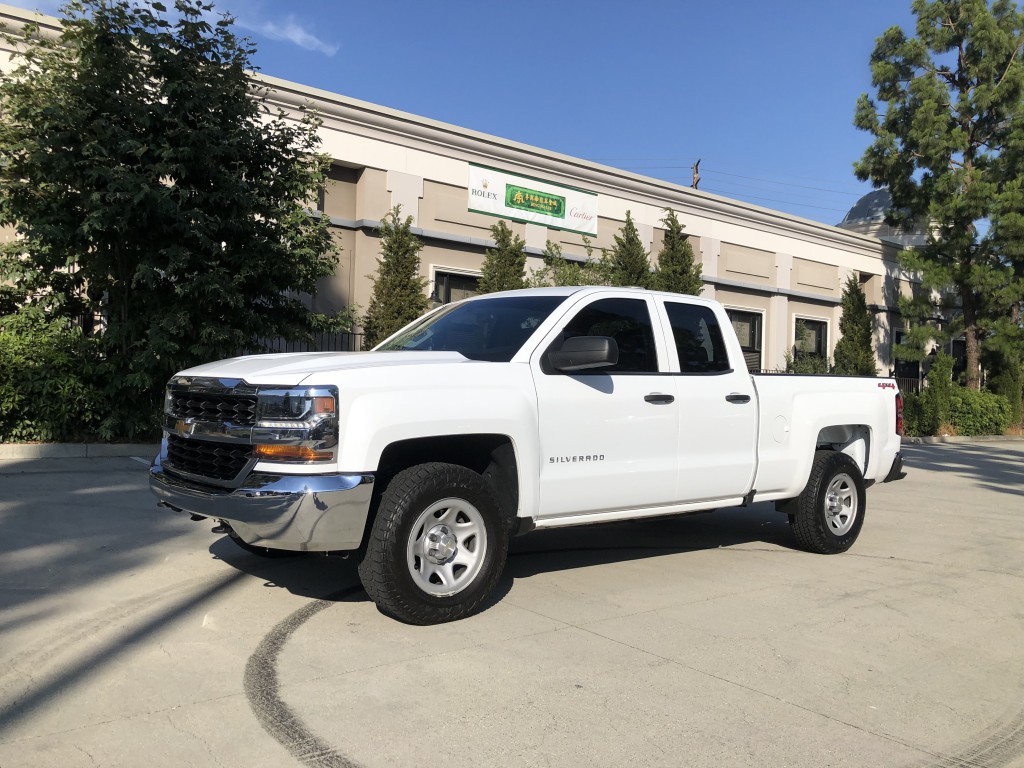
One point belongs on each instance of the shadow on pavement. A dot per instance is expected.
(993, 466)
(545, 551)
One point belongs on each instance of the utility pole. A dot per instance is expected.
(696, 174)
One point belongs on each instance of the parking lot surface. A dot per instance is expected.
(131, 636)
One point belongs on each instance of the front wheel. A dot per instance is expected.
(437, 546)
(829, 513)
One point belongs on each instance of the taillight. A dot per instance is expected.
(899, 414)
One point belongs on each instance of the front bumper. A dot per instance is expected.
(305, 513)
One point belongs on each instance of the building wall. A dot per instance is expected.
(753, 258)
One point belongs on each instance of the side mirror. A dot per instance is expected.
(580, 353)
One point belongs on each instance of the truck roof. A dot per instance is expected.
(570, 290)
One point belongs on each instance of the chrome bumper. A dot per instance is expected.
(306, 513)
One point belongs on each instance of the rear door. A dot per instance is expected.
(608, 436)
(716, 404)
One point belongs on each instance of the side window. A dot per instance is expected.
(628, 322)
(698, 338)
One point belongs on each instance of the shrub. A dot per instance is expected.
(1009, 382)
(913, 416)
(979, 413)
(937, 395)
(807, 364)
(46, 394)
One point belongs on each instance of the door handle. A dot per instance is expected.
(736, 398)
(659, 399)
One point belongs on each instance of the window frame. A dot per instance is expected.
(824, 322)
(555, 338)
(437, 271)
(760, 315)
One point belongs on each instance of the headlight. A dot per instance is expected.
(296, 425)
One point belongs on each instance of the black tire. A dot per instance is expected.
(267, 552)
(437, 545)
(829, 512)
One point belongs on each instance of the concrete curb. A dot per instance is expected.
(964, 439)
(76, 450)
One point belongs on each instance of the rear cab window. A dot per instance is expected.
(697, 336)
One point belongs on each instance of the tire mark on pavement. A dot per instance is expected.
(262, 689)
(999, 747)
(72, 674)
(43, 653)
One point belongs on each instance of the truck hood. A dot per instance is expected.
(292, 368)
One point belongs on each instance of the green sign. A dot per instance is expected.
(537, 202)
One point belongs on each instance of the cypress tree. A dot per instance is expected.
(627, 262)
(854, 354)
(677, 269)
(398, 296)
(505, 264)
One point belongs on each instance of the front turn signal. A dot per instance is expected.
(291, 453)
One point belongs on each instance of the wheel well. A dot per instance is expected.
(852, 439)
(491, 456)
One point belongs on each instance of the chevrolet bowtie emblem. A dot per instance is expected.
(185, 427)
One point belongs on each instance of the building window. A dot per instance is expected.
(748, 328)
(811, 338)
(452, 286)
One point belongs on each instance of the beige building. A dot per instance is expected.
(768, 268)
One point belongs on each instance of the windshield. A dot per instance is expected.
(490, 329)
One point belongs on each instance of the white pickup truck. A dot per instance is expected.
(508, 412)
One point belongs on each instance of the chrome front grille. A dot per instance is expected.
(201, 406)
(205, 458)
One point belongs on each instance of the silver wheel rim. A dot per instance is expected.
(841, 504)
(447, 546)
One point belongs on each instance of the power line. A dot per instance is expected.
(788, 184)
(631, 164)
(774, 200)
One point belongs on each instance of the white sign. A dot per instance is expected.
(523, 198)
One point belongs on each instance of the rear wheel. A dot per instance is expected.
(437, 546)
(829, 513)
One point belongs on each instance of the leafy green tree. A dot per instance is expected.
(855, 353)
(558, 270)
(150, 186)
(678, 270)
(505, 264)
(626, 261)
(398, 295)
(948, 131)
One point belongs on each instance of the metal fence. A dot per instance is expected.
(323, 342)
(908, 385)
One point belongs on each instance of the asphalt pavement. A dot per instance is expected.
(132, 636)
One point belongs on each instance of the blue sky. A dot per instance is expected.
(762, 93)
